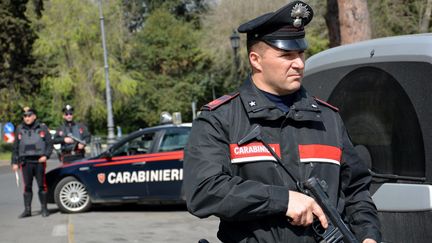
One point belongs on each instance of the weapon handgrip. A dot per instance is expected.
(313, 186)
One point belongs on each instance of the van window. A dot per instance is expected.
(379, 115)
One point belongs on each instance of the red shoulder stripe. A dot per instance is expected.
(219, 101)
(326, 104)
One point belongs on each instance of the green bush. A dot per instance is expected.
(5, 147)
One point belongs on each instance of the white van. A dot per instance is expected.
(383, 88)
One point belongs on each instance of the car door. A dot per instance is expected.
(167, 169)
(123, 175)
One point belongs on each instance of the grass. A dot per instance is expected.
(5, 151)
(5, 156)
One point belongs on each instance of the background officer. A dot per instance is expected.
(228, 172)
(31, 150)
(73, 137)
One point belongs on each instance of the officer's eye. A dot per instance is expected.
(292, 54)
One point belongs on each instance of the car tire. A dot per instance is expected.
(71, 196)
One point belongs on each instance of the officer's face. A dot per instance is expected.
(29, 119)
(278, 72)
(68, 116)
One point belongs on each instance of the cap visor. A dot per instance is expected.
(289, 45)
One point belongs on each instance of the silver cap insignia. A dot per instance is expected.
(298, 12)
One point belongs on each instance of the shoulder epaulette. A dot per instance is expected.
(219, 101)
(326, 104)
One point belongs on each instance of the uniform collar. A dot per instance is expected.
(256, 104)
(34, 125)
(72, 123)
(259, 106)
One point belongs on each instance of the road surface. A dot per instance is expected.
(126, 223)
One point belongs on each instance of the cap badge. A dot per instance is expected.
(298, 12)
(252, 103)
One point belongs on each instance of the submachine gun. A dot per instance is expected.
(337, 231)
(75, 153)
(76, 139)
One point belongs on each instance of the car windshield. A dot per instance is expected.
(138, 145)
(174, 140)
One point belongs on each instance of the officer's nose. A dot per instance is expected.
(298, 62)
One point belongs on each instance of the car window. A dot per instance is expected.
(138, 145)
(174, 140)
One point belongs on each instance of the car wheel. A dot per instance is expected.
(71, 196)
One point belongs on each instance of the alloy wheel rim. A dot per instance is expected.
(74, 196)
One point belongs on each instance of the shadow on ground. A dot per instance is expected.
(138, 207)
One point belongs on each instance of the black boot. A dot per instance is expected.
(27, 205)
(43, 197)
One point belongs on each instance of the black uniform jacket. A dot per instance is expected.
(248, 190)
(77, 129)
(39, 129)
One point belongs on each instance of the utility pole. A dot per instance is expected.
(110, 120)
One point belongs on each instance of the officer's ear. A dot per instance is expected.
(256, 53)
(255, 61)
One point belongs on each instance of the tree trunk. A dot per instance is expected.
(424, 26)
(332, 22)
(354, 21)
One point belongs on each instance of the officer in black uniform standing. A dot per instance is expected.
(73, 137)
(229, 171)
(31, 150)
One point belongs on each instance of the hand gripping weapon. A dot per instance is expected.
(337, 231)
(76, 139)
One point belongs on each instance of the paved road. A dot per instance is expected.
(130, 223)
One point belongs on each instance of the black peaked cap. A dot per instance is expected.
(283, 29)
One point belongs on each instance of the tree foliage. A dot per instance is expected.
(226, 16)
(70, 45)
(155, 63)
(171, 64)
(396, 17)
(137, 11)
(19, 76)
(162, 54)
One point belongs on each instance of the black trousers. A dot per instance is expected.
(36, 170)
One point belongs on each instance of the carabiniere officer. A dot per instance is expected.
(31, 150)
(229, 173)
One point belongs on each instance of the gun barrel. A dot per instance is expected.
(322, 199)
(76, 139)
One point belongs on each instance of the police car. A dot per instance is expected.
(383, 90)
(144, 167)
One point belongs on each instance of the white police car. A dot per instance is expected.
(145, 167)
